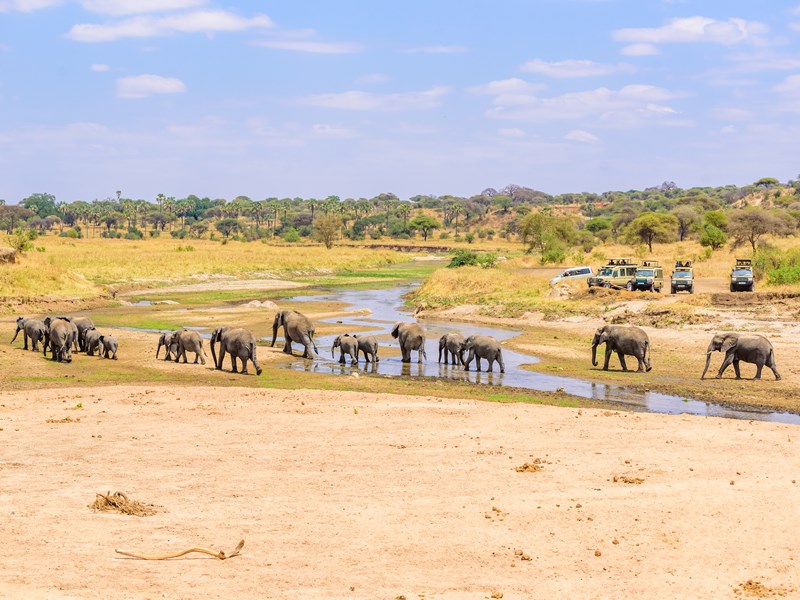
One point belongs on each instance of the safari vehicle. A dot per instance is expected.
(649, 277)
(572, 274)
(682, 277)
(742, 276)
(617, 273)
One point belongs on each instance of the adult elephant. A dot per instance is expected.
(625, 341)
(32, 329)
(82, 324)
(189, 341)
(348, 346)
(452, 343)
(483, 346)
(61, 336)
(296, 328)
(64, 323)
(368, 344)
(750, 348)
(239, 343)
(411, 337)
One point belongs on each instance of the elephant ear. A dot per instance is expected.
(395, 330)
(730, 342)
(603, 337)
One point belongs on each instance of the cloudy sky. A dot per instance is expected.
(349, 97)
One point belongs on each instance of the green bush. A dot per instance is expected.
(291, 236)
(155, 233)
(467, 258)
(779, 267)
(134, 234)
(470, 237)
(22, 239)
(554, 254)
(73, 233)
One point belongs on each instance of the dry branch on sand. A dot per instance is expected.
(119, 502)
(220, 554)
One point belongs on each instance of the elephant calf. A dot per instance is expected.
(750, 348)
(624, 340)
(367, 344)
(91, 338)
(348, 345)
(483, 346)
(452, 343)
(108, 347)
(33, 330)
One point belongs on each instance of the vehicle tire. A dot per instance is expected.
(732, 289)
(629, 286)
(691, 289)
(607, 285)
(673, 289)
(752, 287)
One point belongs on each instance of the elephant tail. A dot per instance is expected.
(647, 364)
(313, 343)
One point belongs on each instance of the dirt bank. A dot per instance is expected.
(352, 495)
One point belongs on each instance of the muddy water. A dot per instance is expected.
(387, 308)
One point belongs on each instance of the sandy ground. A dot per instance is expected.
(352, 495)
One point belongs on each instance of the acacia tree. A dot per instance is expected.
(425, 224)
(687, 217)
(750, 224)
(327, 226)
(651, 227)
(541, 231)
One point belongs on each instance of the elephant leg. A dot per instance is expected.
(641, 365)
(622, 361)
(420, 354)
(234, 365)
(736, 368)
(759, 366)
(287, 344)
(477, 363)
(491, 362)
(243, 359)
(725, 364)
(608, 357)
(341, 357)
(25, 340)
(500, 362)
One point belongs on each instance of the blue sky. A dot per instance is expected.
(353, 98)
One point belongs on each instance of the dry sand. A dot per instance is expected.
(350, 495)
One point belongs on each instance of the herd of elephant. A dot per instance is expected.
(63, 335)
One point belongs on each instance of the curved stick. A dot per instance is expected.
(220, 555)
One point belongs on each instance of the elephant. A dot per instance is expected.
(237, 342)
(452, 343)
(61, 336)
(83, 324)
(92, 341)
(296, 328)
(108, 347)
(367, 344)
(411, 337)
(624, 340)
(191, 341)
(750, 348)
(483, 346)
(170, 343)
(32, 329)
(68, 326)
(348, 345)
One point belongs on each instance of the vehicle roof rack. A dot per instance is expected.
(744, 262)
(620, 261)
(651, 263)
(683, 264)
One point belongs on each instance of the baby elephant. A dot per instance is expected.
(348, 345)
(454, 344)
(483, 346)
(367, 344)
(91, 338)
(107, 347)
(750, 348)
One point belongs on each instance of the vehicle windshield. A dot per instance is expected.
(743, 273)
(606, 272)
(644, 273)
(682, 275)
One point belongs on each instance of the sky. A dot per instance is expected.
(353, 98)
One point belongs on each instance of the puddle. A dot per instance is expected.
(387, 308)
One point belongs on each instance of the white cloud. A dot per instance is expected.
(131, 7)
(208, 21)
(310, 46)
(356, 100)
(141, 86)
(511, 132)
(790, 85)
(574, 68)
(579, 135)
(26, 5)
(437, 50)
(640, 50)
(623, 107)
(696, 29)
(100, 68)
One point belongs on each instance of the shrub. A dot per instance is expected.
(444, 235)
(779, 267)
(470, 237)
(553, 254)
(291, 236)
(134, 234)
(22, 240)
(154, 233)
(186, 248)
(179, 233)
(73, 233)
(713, 237)
(111, 234)
(467, 258)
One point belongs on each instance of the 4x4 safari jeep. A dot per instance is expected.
(682, 277)
(617, 273)
(742, 276)
(649, 277)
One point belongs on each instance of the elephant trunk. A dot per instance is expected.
(274, 332)
(160, 342)
(15, 335)
(595, 342)
(708, 361)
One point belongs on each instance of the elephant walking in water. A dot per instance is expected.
(239, 343)
(411, 337)
(367, 344)
(624, 340)
(452, 343)
(348, 345)
(750, 348)
(483, 346)
(296, 328)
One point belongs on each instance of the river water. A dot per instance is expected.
(387, 307)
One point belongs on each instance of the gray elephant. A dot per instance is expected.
(82, 324)
(32, 329)
(348, 345)
(108, 347)
(750, 348)
(66, 325)
(296, 328)
(411, 337)
(368, 344)
(239, 343)
(483, 346)
(92, 341)
(625, 341)
(191, 341)
(61, 336)
(452, 343)
(170, 343)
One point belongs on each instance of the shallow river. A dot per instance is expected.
(387, 308)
